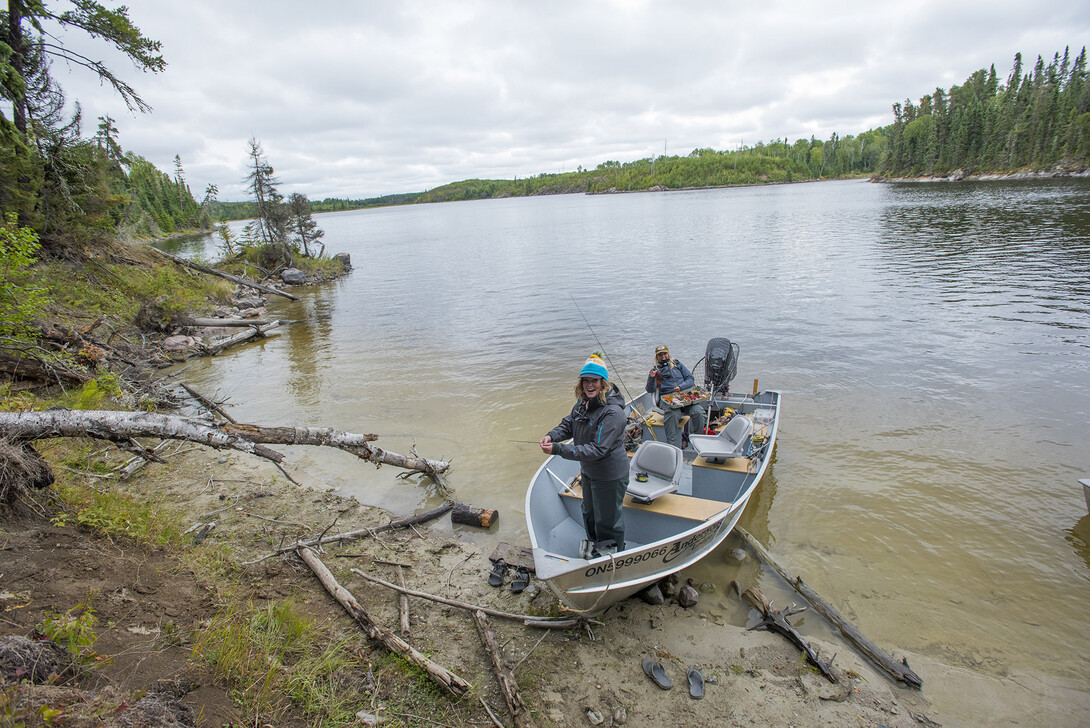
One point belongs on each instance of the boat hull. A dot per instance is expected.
(667, 540)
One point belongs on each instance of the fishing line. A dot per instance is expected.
(615, 371)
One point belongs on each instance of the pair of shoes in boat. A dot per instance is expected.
(593, 549)
(654, 670)
(586, 549)
(519, 582)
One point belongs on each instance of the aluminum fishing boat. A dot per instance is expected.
(679, 509)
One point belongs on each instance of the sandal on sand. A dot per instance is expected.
(498, 570)
(696, 684)
(521, 580)
(654, 670)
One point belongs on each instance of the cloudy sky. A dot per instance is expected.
(359, 98)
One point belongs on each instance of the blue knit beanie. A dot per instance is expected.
(595, 367)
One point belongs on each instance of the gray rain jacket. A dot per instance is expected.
(597, 433)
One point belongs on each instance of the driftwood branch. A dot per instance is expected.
(405, 522)
(222, 322)
(121, 426)
(328, 437)
(132, 466)
(510, 689)
(441, 676)
(402, 601)
(527, 620)
(221, 274)
(208, 403)
(899, 670)
(219, 345)
(776, 621)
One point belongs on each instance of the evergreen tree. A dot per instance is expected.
(304, 230)
(270, 215)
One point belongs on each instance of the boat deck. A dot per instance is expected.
(673, 504)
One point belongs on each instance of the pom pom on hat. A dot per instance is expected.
(595, 367)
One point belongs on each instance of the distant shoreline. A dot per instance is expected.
(663, 188)
(961, 176)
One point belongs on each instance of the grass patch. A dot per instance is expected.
(269, 655)
(117, 290)
(412, 699)
(115, 515)
(106, 513)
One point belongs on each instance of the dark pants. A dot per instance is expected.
(603, 516)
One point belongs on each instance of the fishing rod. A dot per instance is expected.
(615, 371)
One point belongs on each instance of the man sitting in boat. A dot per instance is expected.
(596, 426)
(670, 375)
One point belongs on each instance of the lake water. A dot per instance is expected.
(932, 343)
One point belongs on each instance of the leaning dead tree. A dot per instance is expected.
(124, 427)
(225, 276)
(898, 669)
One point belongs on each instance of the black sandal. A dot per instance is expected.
(499, 568)
(521, 580)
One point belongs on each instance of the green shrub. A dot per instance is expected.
(22, 295)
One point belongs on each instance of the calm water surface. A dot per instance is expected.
(932, 343)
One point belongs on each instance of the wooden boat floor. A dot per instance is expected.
(734, 465)
(672, 504)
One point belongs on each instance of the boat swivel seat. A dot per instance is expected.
(659, 465)
(731, 442)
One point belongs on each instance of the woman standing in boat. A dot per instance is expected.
(596, 425)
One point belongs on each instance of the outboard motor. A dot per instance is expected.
(720, 366)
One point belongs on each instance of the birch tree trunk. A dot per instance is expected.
(122, 426)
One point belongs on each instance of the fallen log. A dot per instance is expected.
(221, 274)
(27, 366)
(510, 689)
(405, 522)
(527, 620)
(899, 670)
(470, 516)
(776, 621)
(222, 322)
(220, 344)
(441, 676)
(121, 426)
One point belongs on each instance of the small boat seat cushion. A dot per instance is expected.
(731, 442)
(662, 463)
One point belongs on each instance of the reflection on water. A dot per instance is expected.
(1079, 538)
(189, 246)
(932, 343)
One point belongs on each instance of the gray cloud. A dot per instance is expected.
(368, 98)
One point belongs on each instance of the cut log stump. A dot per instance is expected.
(470, 516)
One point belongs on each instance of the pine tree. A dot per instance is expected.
(304, 230)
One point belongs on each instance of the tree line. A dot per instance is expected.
(1037, 120)
(66, 187)
(61, 184)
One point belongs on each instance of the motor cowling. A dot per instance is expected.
(720, 365)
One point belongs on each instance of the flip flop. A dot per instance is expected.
(696, 684)
(521, 580)
(654, 670)
(498, 570)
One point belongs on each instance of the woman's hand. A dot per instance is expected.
(546, 445)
